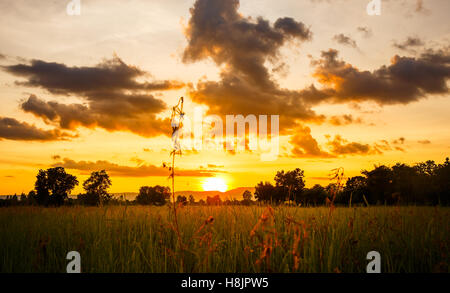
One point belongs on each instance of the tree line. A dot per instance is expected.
(424, 183)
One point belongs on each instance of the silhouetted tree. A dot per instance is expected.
(266, 192)
(213, 200)
(32, 198)
(42, 189)
(181, 199)
(406, 185)
(157, 195)
(23, 199)
(54, 185)
(191, 199)
(96, 187)
(247, 197)
(379, 184)
(291, 182)
(442, 183)
(354, 190)
(314, 196)
(427, 168)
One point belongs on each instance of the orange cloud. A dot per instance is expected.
(114, 99)
(13, 129)
(142, 170)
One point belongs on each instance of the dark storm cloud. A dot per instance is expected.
(409, 43)
(126, 171)
(108, 76)
(217, 31)
(13, 129)
(437, 55)
(114, 100)
(244, 47)
(293, 28)
(136, 114)
(345, 40)
(405, 80)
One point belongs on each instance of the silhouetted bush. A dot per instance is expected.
(157, 195)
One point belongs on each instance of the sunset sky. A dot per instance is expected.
(94, 91)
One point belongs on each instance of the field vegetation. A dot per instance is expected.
(255, 238)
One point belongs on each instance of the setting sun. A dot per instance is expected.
(215, 184)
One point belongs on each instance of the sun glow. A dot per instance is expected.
(214, 184)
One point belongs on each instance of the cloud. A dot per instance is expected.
(400, 140)
(408, 43)
(344, 120)
(365, 31)
(126, 171)
(340, 146)
(425, 141)
(384, 146)
(212, 166)
(305, 146)
(114, 99)
(245, 47)
(345, 40)
(381, 146)
(404, 81)
(399, 149)
(137, 160)
(136, 114)
(13, 129)
(109, 76)
(242, 46)
(437, 55)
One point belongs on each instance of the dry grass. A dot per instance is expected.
(224, 239)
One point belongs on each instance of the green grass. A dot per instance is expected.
(235, 239)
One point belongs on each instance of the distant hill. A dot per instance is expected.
(198, 195)
(230, 194)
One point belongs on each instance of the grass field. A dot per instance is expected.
(224, 239)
